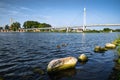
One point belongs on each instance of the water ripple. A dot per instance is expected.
(21, 53)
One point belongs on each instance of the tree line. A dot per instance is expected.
(27, 24)
(104, 30)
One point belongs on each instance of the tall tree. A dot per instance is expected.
(107, 29)
(31, 24)
(15, 26)
(43, 25)
(35, 24)
(1, 28)
(6, 27)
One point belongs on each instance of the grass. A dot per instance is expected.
(116, 72)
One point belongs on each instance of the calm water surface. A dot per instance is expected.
(24, 55)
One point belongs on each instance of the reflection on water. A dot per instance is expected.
(62, 74)
(83, 37)
(82, 63)
(21, 53)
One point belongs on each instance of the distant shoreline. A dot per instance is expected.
(56, 32)
(64, 30)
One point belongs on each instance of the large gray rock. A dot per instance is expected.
(110, 45)
(61, 64)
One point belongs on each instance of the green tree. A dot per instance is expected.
(6, 27)
(31, 24)
(118, 30)
(1, 28)
(43, 25)
(35, 24)
(107, 29)
(15, 26)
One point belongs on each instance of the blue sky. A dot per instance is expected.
(60, 12)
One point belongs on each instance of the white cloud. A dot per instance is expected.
(25, 8)
(14, 10)
(20, 13)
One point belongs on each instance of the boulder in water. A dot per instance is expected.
(61, 64)
(110, 45)
(83, 58)
(99, 49)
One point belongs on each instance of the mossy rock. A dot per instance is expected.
(118, 61)
(39, 71)
(1, 78)
(116, 42)
(61, 64)
(118, 50)
(82, 58)
(99, 49)
(117, 67)
(115, 75)
(119, 44)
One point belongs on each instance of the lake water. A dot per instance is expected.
(24, 55)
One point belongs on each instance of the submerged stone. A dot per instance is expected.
(61, 64)
(64, 44)
(39, 71)
(117, 67)
(118, 61)
(99, 49)
(58, 46)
